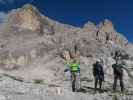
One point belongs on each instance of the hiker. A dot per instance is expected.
(118, 74)
(98, 74)
(75, 75)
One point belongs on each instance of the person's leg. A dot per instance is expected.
(73, 82)
(100, 84)
(115, 82)
(121, 83)
(100, 81)
(96, 81)
(78, 81)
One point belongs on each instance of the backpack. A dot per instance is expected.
(118, 69)
(98, 69)
(74, 67)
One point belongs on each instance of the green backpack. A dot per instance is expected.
(74, 67)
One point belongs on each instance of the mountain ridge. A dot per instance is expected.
(36, 49)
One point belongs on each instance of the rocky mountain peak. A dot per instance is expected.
(25, 18)
(109, 22)
(89, 23)
(32, 58)
(106, 26)
(29, 18)
(89, 26)
(30, 8)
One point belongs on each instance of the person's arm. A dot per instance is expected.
(124, 67)
(113, 66)
(102, 73)
(79, 67)
(94, 71)
(68, 64)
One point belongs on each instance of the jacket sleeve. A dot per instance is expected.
(113, 66)
(102, 73)
(94, 70)
(68, 65)
(78, 67)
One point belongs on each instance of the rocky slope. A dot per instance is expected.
(34, 49)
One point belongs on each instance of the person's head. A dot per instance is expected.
(74, 60)
(101, 59)
(118, 60)
(98, 60)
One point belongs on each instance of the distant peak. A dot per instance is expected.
(106, 25)
(107, 21)
(89, 23)
(90, 26)
(29, 8)
(25, 18)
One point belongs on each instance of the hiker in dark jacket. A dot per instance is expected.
(98, 74)
(118, 74)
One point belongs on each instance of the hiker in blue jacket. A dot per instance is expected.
(98, 74)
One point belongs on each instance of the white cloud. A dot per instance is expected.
(3, 16)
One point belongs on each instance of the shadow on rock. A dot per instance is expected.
(92, 90)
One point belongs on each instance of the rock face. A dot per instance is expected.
(27, 18)
(37, 48)
(26, 25)
(106, 32)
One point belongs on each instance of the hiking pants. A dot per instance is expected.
(75, 81)
(120, 77)
(98, 80)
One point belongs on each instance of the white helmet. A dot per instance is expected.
(101, 58)
(98, 60)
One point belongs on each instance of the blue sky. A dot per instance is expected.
(78, 12)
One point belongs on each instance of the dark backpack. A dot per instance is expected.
(98, 68)
(117, 69)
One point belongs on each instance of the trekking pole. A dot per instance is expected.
(129, 74)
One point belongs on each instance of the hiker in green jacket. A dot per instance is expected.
(75, 75)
